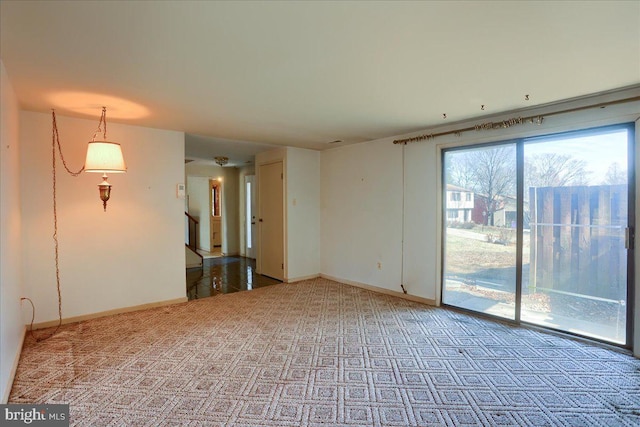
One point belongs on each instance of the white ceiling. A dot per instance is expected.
(307, 73)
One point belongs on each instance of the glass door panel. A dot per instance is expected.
(574, 275)
(480, 213)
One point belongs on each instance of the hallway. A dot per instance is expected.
(225, 275)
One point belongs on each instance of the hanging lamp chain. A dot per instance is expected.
(55, 146)
(56, 142)
(103, 119)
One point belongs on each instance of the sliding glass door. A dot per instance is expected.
(567, 269)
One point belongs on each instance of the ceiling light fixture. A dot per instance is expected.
(221, 160)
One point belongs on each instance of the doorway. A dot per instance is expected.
(550, 240)
(215, 218)
(250, 216)
(271, 220)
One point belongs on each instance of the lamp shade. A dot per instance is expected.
(104, 157)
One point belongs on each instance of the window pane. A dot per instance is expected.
(574, 256)
(480, 233)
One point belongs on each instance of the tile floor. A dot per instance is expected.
(224, 275)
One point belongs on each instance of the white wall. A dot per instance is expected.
(130, 255)
(303, 213)
(11, 323)
(361, 203)
(421, 235)
(198, 192)
(231, 211)
(229, 177)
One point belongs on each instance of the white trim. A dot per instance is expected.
(14, 368)
(636, 284)
(301, 278)
(404, 210)
(439, 220)
(380, 290)
(129, 309)
(285, 217)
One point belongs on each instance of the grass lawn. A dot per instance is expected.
(486, 271)
(469, 255)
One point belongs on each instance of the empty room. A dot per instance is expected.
(310, 213)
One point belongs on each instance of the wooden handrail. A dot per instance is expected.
(192, 232)
(192, 218)
(192, 236)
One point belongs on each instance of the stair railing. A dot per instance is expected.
(192, 236)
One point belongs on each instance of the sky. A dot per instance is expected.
(598, 151)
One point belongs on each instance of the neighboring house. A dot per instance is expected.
(460, 204)
(505, 214)
(480, 209)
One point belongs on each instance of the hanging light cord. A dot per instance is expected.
(33, 315)
(103, 119)
(55, 143)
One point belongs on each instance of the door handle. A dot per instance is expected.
(629, 238)
(253, 223)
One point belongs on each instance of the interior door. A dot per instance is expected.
(251, 219)
(271, 221)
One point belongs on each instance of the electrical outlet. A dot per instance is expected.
(379, 265)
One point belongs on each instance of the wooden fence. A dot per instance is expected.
(577, 240)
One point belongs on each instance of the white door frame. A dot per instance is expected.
(250, 217)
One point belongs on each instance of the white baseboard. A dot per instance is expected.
(301, 278)
(75, 319)
(379, 290)
(14, 368)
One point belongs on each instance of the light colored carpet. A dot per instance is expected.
(319, 353)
